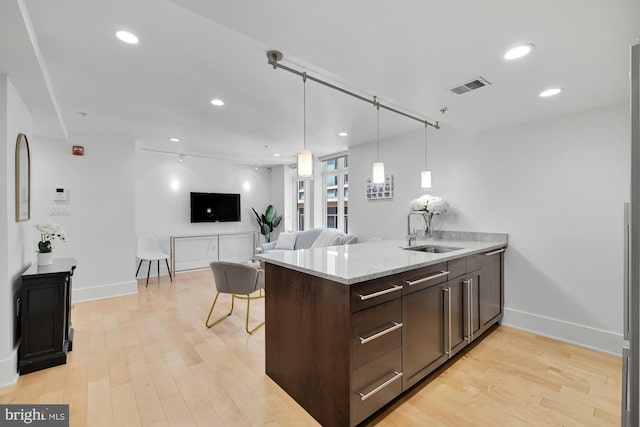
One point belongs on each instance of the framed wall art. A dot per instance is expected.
(380, 191)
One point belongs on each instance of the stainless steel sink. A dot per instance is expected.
(432, 249)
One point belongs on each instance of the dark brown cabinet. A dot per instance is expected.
(491, 289)
(343, 352)
(423, 319)
(44, 308)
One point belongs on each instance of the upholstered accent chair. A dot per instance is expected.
(239, 280)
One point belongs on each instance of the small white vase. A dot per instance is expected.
(45, 258)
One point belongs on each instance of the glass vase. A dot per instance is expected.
(428, 217)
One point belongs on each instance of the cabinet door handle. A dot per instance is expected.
(382, 292)
(426, 279)
(381, 386)
(467, 287)
(499, 251)
(381, 333)
(626, 281)
(625, 386)
(470, 309)
(447, 292)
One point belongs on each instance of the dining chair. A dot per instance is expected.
(148, 249)
(239, 280)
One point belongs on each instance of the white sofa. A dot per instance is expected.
(316, 237)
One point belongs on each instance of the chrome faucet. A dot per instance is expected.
(411, 236)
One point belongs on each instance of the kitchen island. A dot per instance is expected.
(349, 328)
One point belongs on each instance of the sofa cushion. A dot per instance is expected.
(306, 238)
(286, 241)
(328, 237)
(348, 239)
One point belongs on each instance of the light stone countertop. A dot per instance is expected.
(359, 262)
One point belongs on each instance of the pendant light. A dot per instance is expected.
(425, 178)
(378, 167)
(305, 158)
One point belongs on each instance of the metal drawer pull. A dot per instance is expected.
(377, 294)
(426, 279)
(381, 333)
(447, 292)
(499, 251)
(380, 387)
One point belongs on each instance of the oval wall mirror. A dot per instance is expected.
(23, 179)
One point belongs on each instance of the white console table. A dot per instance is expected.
(172, 242)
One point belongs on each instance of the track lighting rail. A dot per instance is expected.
(275, 57)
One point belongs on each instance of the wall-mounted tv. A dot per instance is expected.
(215, 207)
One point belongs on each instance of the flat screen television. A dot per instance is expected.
(215, 207)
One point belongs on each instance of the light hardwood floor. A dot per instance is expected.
(147, 359)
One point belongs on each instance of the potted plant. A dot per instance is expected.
(49, 233)
(268, 221)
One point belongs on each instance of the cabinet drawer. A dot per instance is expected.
(374, 292)
(376, 331)
(474, 262)
(375, 384)
(425, 277)
(457, 267)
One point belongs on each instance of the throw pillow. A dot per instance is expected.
(286, 241)
(329, 237)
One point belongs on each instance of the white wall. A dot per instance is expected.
(162, 205)
(15, 118)
(279, 187)
(100, 229)
(557, 187)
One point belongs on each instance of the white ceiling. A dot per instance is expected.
(406, 52)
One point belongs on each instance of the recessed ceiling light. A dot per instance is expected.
(343, 134)
(217, 102)
(519, 51)
(550, 92)
(276, 155)
(174, 139)
(127, 37)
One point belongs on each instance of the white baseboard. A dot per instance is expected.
(9, 370)
(183, 266)
(584, 336)
(104, 291)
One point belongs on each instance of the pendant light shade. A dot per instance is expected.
(378, 173)
(425, 176)
(378, 166)
(305, 158)
(425, 179)
(305, 164)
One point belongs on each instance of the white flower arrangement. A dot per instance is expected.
(49, 233)
(429, 206)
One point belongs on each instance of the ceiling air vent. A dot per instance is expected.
(472, 85)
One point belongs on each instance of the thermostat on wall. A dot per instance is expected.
(60, 194)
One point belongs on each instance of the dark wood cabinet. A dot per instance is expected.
(344, 351)
(423, 333)
(491, 289)
(44, 311)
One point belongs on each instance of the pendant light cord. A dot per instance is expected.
(425, 147)
(304, 108)
(377, 105)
